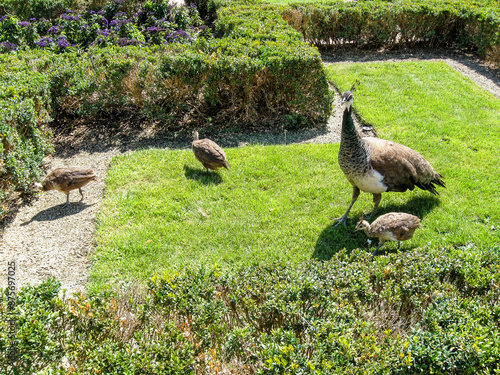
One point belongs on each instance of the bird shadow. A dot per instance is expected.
(58, 212)
(334, 239)
(202, 176)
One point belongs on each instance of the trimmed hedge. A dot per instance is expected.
(428, 311)
(24, 113)
(401, 23)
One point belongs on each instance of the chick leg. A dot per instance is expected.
(67, 200)
(378, 247)
(81, 193)
(343, 219)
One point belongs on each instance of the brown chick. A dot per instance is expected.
(393, 226)
(209, 153)
(66, 179)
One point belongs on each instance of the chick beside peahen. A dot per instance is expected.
(394, 226)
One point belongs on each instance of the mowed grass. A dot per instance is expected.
(163, 213)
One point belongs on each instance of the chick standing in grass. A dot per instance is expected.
(209, 153)
(394, 226)
(66, 179)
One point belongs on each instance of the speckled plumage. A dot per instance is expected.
(394, 226)
(66, 179)
(209, 153)
(376, 165)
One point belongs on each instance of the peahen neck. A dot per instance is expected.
(349, 135)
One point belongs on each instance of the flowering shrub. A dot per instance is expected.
(156, 23)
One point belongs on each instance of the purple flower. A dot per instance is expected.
(23, 24)
(32, 19)
(62, 42)
(154, 29)
(68, 17)
(44, 42)
(9, 46)
(3, 17)
(53, 29)
(180, 34)
(105, 32)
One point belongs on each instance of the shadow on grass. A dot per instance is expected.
(130, 131)
(332, 240)
(202, 176)
(59, 212)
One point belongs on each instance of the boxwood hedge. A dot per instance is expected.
(400, 23)
(428, 311)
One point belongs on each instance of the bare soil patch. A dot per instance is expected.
(46, 240)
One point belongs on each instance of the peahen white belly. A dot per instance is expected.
(371, 182)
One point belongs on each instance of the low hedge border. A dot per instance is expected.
(24, 113)
(428, 311)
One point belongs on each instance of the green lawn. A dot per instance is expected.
(164, 213)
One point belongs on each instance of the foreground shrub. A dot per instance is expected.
(425, 311)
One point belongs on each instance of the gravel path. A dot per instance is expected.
(46, 240)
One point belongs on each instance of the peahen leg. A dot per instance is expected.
(343, 219)
(376, 201)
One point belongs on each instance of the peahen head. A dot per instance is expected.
(347, 99)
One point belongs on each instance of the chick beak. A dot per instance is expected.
(36, 186)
